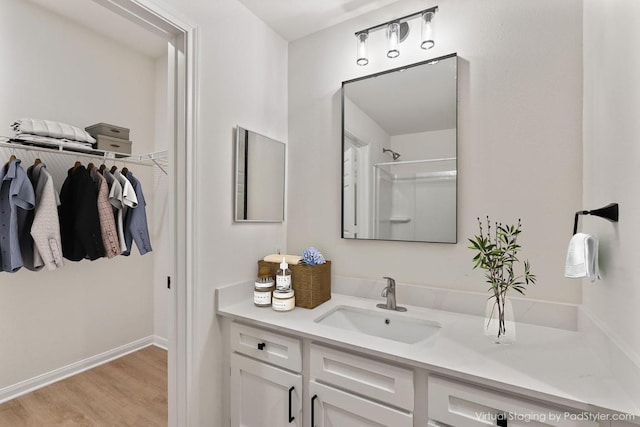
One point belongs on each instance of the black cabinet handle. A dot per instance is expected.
(313, 410)
(261, 345)
(501, 420)
(291, 418)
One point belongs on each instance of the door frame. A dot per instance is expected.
(365, 215)
(182, 77)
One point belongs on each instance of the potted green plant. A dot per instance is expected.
(497, 253)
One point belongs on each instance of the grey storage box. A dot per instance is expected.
(117, 145)
(108, 130)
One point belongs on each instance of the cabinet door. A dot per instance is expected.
(331, 407)
(263, 395)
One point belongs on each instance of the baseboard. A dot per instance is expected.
(27, 386)
(161, 342)
(623, 362)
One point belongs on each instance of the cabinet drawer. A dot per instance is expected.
(267, 346)
(331, 407)
(380, 381)
(461, 405)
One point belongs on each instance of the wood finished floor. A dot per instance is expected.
(129, 391)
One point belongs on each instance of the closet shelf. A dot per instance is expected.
(148, 159)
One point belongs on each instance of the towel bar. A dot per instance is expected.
(609, 212)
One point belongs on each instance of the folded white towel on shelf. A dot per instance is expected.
(582, 257)
(291, 259)
(51, 129)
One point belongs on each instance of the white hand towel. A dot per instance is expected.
(582, 257)
(291, 259)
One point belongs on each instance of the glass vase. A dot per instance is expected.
(499, 322)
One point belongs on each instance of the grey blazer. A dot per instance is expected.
(135, 222)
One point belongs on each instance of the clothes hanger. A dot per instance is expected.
(125, 170)
(114, 168)
(90, 166)
(76, 165)
(37, 161)
(102, 167)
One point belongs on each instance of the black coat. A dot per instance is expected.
(79, 221)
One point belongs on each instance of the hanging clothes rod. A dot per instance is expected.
(610, 212)
(142, 159)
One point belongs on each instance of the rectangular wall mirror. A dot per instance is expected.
(259, 178)
(399, 146)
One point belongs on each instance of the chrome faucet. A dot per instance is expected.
(390, 292)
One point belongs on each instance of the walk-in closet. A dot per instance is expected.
(78, 63)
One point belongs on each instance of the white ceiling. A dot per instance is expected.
(293, 19)
(103, 21)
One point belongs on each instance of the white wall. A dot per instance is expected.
(425, 145)
(519, 141)
(242, 73)
(611, 173)
(56, 69)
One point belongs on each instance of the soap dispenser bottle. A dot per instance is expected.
(283, 276)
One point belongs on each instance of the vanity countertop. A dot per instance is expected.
(545, 363)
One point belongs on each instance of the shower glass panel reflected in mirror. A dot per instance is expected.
(259, 178)
(399, 145)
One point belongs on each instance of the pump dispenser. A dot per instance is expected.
(283, 277)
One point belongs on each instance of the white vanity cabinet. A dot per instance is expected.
(453, 403)
(273, 376)
(350, 390)
(266, 383)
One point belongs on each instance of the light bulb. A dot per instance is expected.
(393, 38)
(362, 48)
(427, 30)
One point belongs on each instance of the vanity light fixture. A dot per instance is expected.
(397, 30)
(362, 48)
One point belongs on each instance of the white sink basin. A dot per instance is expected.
(380, 323)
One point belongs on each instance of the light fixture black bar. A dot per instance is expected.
(609, 212)
(399, 20)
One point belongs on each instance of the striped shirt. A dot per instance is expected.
(105, 214)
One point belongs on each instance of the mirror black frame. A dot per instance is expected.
(342, 131)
